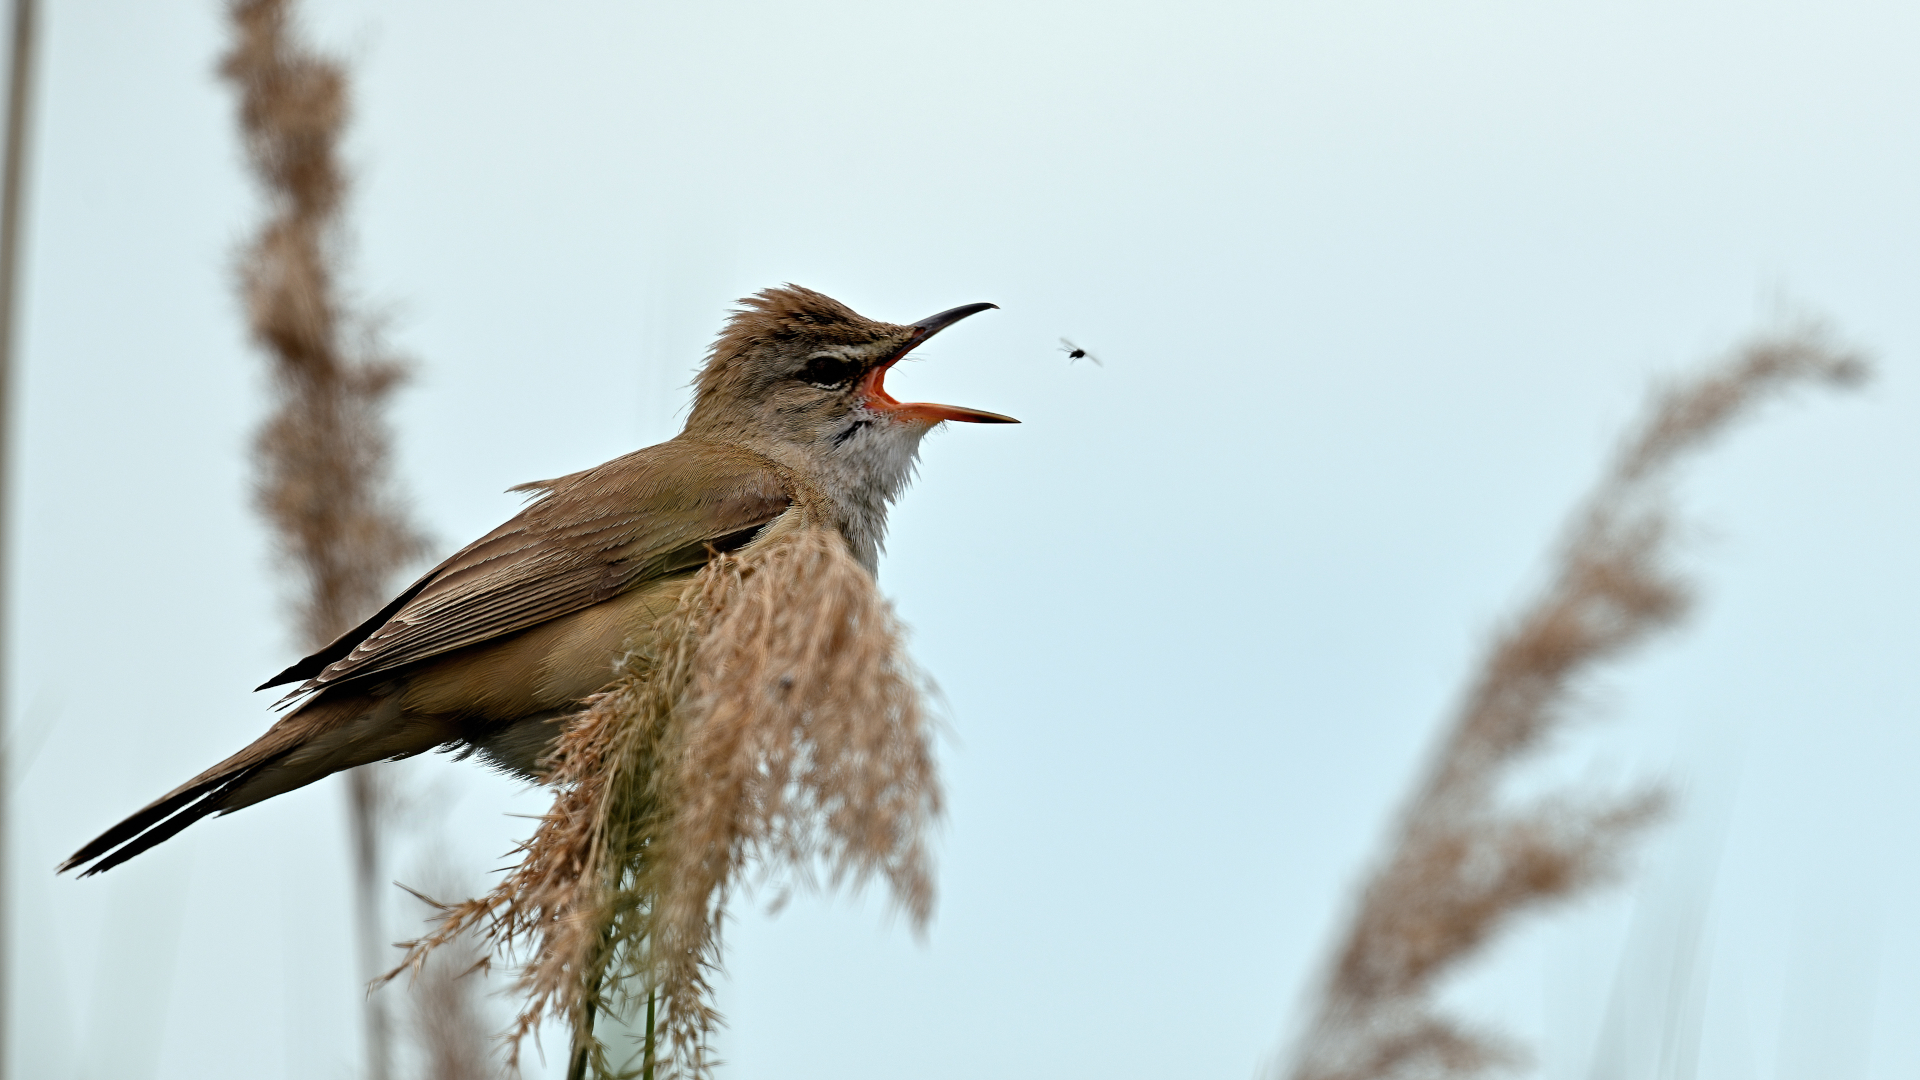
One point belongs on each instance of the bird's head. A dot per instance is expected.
(801, 367)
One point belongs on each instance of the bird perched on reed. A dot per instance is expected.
(791, 427)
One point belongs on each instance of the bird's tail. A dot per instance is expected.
(157, 821)
(322, 737)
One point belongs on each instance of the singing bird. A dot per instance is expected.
(489, 651)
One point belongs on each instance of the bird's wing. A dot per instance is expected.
(590, 537)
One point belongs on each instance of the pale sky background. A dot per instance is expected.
(1375, 284)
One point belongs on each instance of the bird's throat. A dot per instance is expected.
(862, 472)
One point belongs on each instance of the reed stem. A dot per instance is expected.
(646, 1069)
(582, 1046)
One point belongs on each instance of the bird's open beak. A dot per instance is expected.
(873, 386)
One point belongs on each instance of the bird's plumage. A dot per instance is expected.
(491, 648)
(587, 538)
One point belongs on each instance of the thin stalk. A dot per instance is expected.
(583, 1032)
(582, 1046)
(12, 178)
(646, 1068)
(363, 815)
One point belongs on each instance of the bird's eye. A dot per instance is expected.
(829, 370)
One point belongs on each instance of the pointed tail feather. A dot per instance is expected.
(323, 737)
(204, 794)
(156, 828)
(193, 800)
(157, 811)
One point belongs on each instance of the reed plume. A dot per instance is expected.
(324, 479)
(776, 722)
(450, 1031)
(1463, 865)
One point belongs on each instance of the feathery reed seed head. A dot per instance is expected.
(778, 722)
(324, 454)
(323, 477)
(449, 1024)
(1462, 865)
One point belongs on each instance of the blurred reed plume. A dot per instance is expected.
(1463, 865)
(451, 1034)
(324, 476)
(778, 721)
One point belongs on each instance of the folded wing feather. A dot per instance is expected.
(592, 536)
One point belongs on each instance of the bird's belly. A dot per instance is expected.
(546, 667)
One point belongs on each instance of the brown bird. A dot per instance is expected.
(791, 421)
